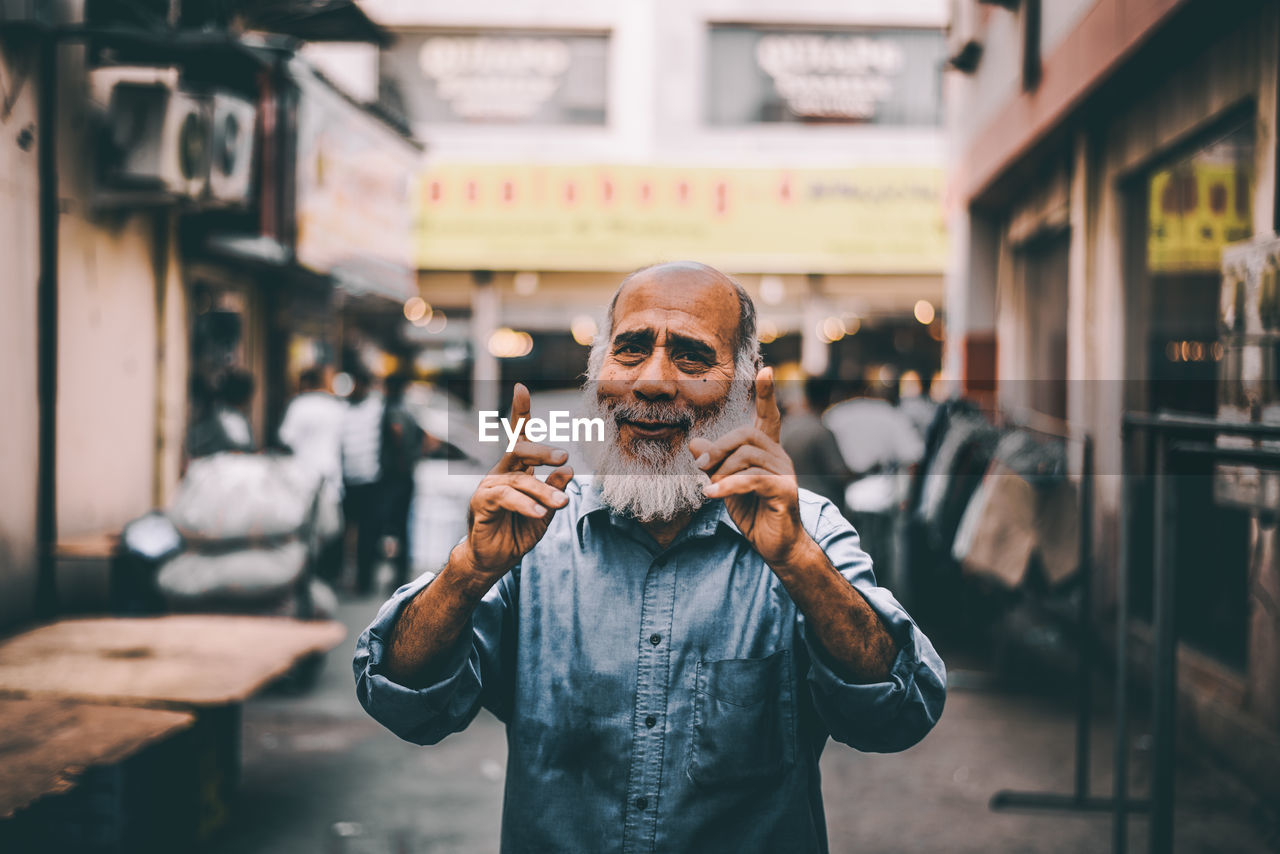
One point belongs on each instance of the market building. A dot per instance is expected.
(181, 194)
(1104, 152)
(795, 145)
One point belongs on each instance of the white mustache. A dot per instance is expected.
(660, 412)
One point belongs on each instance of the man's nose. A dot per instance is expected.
(656, 379)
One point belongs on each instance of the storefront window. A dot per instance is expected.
(1183, 214)
(1193, 208)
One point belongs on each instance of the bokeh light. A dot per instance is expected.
(507, 343)
(924, 311)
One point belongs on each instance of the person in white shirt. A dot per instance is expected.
(312, 429)
(362, 503)
(221, 423)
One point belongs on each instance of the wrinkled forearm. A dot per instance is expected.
(433, 621)
(852, 634)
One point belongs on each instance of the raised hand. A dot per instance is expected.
(511, 508)
(757, 480)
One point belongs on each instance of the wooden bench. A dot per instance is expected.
(200, 666)
(76, 776)
(47, 744)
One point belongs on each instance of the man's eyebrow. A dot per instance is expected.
(692, 345)
(637, 337)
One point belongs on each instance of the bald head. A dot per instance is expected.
(692, 273)
(692, 287)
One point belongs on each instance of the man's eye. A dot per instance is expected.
(692, 359)
(628, 351)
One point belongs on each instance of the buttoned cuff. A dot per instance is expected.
(872, 699)
(400, 708)
(882, 716)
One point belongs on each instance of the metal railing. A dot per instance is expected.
(1175, 436)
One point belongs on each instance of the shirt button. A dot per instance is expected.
(651, 722)
(655, 639)
(642, 803)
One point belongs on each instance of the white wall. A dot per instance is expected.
(106, 338)
(977, 97)
(971, 102)
(107, 355)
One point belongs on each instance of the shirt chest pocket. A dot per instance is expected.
(743, 720)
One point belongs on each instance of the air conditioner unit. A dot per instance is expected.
(155, 136)
(231, 160)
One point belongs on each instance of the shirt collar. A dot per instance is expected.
(705, 522)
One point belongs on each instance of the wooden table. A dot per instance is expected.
(173, 662)
(46, 744)
(204, 665)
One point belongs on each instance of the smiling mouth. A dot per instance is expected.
(654, 429)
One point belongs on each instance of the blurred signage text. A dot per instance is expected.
(620, 217)
(840, 77)
(482, 76)
(852, 76)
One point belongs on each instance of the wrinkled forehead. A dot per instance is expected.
(695, 303)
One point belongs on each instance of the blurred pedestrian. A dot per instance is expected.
(221, 422)
(874, 435)
(362, 504)
(402, 448)
(812, 447)
(917, 401)
(312, 429)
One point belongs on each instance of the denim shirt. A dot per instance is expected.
(659, 699)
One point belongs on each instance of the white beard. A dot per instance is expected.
(657, 480)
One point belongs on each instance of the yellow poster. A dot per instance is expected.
(1195, 210)
(618, 218)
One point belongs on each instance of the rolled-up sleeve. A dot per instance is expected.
(475, 672)
(879, 717)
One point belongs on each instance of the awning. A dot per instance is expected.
(315, 20)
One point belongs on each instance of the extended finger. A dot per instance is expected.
(745, 457)
(755, 481)
(708, 454)
(520, 404)
(508, 497)
(526, 454)
(545, 494)
(768, 417)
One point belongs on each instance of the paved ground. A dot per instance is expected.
(321, 778)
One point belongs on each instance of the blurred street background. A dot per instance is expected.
(1015, 264)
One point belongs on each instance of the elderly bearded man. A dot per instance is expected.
(670, 645)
